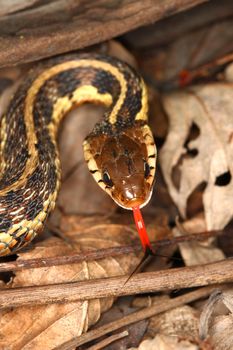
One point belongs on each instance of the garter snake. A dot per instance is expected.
(119, 151)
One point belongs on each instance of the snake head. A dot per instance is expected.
(124, 164)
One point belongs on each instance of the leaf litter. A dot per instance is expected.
(210, 109)
(202, 155)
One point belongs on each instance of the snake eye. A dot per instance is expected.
(146, 169)
(107, 180)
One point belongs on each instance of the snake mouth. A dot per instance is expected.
(135, 202)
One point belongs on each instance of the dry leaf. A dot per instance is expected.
(229, 73)
(163, 342)
(45, 327)
(217, 320)
(197, 253)
(221, 333)
(206, 159)
(169, 328)
(181, 322)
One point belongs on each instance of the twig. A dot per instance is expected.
(99, 254)
(109, 340)
(186, 277)
(136, 317)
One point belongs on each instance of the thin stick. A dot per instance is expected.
(185, 277)
(136, 317)
(99, 254)
(109, 340)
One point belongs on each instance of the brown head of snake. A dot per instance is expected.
(120, 150)
(124, 165)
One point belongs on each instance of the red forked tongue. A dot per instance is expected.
(142, 231)
(148, 250)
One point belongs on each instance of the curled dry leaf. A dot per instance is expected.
(208, 158)
(44, 327)
(217, 321)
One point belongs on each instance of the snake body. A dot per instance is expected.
(120, 150)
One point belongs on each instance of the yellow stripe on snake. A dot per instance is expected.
(119, 151)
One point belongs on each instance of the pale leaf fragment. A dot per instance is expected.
(197, 253)
(181, 322)
(210, 109)
(163, 342)
(221, 333)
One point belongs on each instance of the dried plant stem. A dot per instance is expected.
(109, 340)
(99, 254)
(186, 277)
(136, 317)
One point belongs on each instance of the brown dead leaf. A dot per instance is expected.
(206, 159)
(163, 342)
(197, 253)
(181, 322)
(45, 327)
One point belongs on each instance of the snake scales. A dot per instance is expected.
(119, 151)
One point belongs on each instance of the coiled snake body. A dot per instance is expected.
(120, 151)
